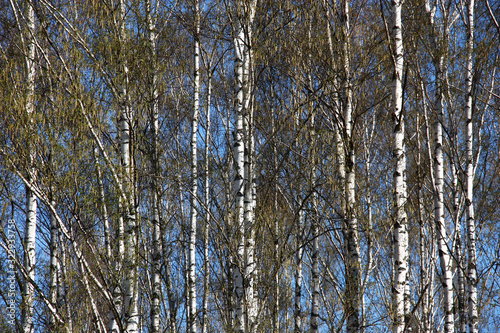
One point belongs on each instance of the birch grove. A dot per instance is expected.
(249, 166)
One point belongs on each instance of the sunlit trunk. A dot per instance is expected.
(194, 179)
(469, 201)
(130, 290)
(400, 228)
(156, 251)
(351, 232)
(31, 199)
(206, 262)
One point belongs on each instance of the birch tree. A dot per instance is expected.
(243, 183)
(400, 227)
(351, 234)
(206, 258)
(239, 149)
(130, 290)
(157, 244)
(469, 201)
(194, 174)
(28, 38)
(438, 160)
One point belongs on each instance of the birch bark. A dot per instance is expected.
(206, 259)
(194, 177)
(351, 233)
(31, 199)
(157, 244)
(244, 269)
(130, 290)
(298, 275)
(315, 243)
(249, 165)
(54, 262)
(400, 227)
(471, 223)
(438, 193)
(239, 41)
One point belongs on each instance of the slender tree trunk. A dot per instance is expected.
(64, 285)
(157, 244)
(351, 233)
(229, 293)
(249, 165)
(130, 299)
(114, 324)
(423, 250)
(298, 275)
(239, 177)
(194, 178)
(469, 201)
(315, 268)
(438, 193)
(243, 183)
(315, 249)
(369, 229)
(442, 238)
(250, 264)
(315, 287)
(299, 243)
(102, 198)
(31, 199)
(54, 262)
(400, 228)
(431, 256)
(206, 261)
(276, 309)
(458, 255)
(171, 315)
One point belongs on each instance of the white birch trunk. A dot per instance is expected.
(351, 234)
(423, 250)
(194, 180)
(298, 275)
(458, 251)
(438, 193)
(64, 289)
(130, 290)
(249, 181)
(171, 314)
(31, 199)
(471, 223)
(431, 257)
(315, 263)
(369, 232)
(114, 326)
(299, 245)
(239, 41)
(206, 262)
(314, 324)
(102, 198)
(276, 324)
(156, 251)
(243, 183)
(54, 263)
(400, 228)
(442, 238)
